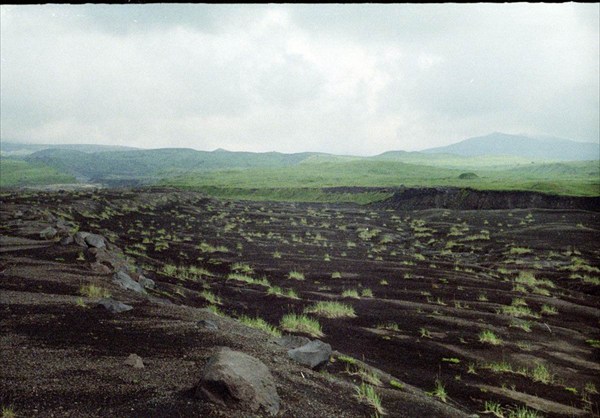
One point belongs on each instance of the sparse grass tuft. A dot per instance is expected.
(367, 393)
(542, 374)
(211, 298)
(278, 291)
(296, 275)
(493, 408)
(523, 412)
(350, 293)
(8, 412)
(331, 310)
(301, 323)
(261, 324)
(93, 291)
(439, 391)
(488, 337)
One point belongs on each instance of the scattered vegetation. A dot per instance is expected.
(302, 324)
(331, 310)
(93, 291)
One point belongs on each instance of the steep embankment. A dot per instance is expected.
(469, 199)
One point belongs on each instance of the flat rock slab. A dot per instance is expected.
(233, 377)
(114, 306)
(314, 354)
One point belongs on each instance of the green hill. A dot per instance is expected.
(17, 173)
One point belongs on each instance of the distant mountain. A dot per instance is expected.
(556, 149)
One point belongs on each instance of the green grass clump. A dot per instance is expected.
(549, 310)
(350, 293)
(278, 291)
(439, 391)
(8, 412)
(210, 297)
(541, 373)
(331, 310)
(367, 393)
(93, 291)
(488, 337)
(261, 324)
(296, 275)
(302, 324)
(523, 412)
(493, 408)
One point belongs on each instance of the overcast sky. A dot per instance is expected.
(344, 79)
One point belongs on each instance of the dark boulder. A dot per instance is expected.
(233, 378)
(314, 354)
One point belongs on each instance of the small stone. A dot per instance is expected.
(134, 361)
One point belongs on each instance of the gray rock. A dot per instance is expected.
(135, 361)
(79, 238)
(48, 233)
(126, 282)
(292, 341)
(146, 283)
(208, 324)
(233, 377)
(314, 354)
(114, 306)
(95, 240)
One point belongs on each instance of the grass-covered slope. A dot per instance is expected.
(577, 179)
(16, 173)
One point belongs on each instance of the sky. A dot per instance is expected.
(339, 78)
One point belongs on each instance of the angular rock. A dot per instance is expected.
(79, 238)
(48, 233)
(114, 306)
(146, 282)
(95, 240)
(135, 361)
(314, 354)
(233, 377)
(292, 341)
(122, 279)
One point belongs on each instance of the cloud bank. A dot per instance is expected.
(345, 79)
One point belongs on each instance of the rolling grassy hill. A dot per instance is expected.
(301, 176)
(21, 173)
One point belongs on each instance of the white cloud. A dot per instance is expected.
(354, 79)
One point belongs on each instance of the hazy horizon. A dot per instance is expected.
(339, 79)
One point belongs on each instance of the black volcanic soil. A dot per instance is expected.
(430, 282)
